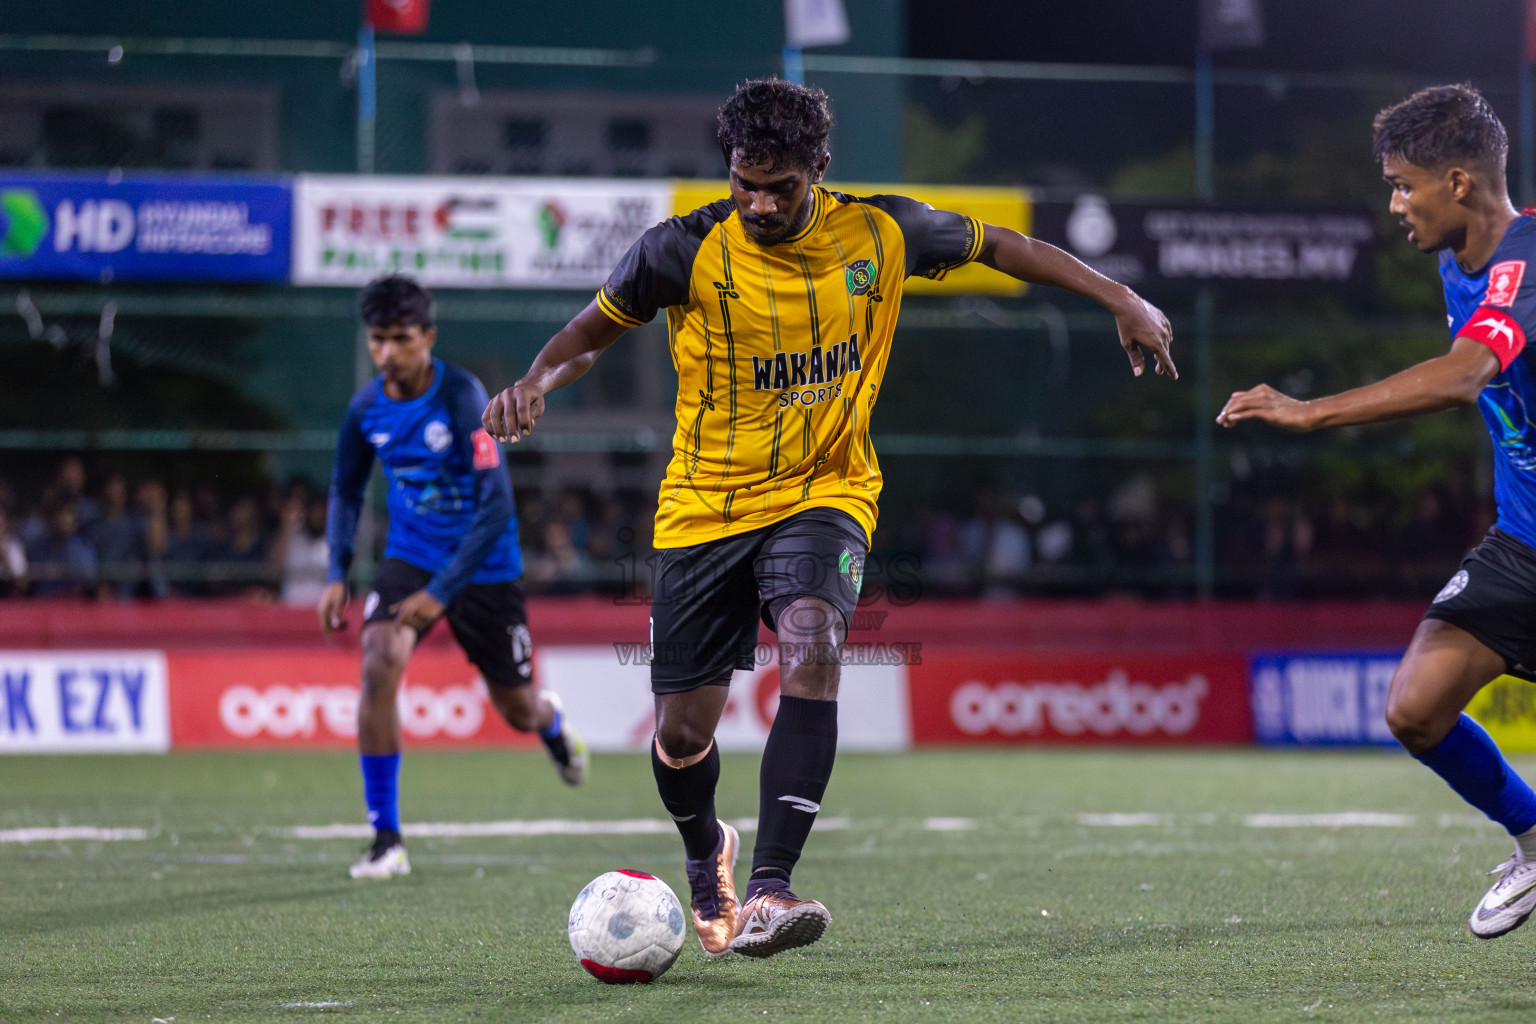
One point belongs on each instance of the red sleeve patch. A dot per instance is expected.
(1504, 283)
(1499, 331)
(488, 452)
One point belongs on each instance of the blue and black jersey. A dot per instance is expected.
(1495, 306)
(450, 501)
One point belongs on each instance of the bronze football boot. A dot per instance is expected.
(775, 920)
(714, 895)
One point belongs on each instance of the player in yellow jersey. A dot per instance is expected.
(781, 301)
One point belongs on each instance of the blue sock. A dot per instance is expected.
(1469, 760)
(558, 723)
(381, 790)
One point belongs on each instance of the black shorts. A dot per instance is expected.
(706, 600)
(489, 620)
(1493, 597)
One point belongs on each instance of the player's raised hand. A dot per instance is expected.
(1266, 405)
(511, 414)
(333, 601)
(1143, 326)
(418, 611)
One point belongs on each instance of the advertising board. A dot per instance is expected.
(1182, 244)
(234, 698)
(83, 702)
(466, 232)
(144, 228)
(609, 697)
(1024, 698)
(1315, 698)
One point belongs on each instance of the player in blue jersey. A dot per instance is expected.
(451, 551)
(1442, 150)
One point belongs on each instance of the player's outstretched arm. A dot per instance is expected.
(564, 358)
(1141, 324)
(349, 476)
(1444, 382)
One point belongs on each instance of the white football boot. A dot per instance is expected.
(574, 770)
(1509, 902)
(386, 858)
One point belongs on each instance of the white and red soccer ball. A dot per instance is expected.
(626, 927)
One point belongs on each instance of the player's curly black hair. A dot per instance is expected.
(396, 300)
(775, 122)
(1440, 126)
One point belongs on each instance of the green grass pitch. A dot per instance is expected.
(966, 886)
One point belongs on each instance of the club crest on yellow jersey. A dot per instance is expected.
(861, 276)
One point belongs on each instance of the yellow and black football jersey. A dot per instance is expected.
(779, 352)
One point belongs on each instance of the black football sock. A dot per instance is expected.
(688, 794)
(797, 762)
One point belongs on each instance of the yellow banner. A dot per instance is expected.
(1005, 207)
(1506, 707)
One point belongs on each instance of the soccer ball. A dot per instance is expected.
(626, 926)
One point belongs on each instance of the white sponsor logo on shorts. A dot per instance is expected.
(1457, 584)
(370, 605)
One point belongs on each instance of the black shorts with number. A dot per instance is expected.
(489, 620)
(1493, 597)
(706, 599)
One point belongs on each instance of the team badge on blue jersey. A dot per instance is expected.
(1504, 283)
(437, 436)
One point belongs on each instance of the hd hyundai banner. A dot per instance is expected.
(470, 232)
(144, 228)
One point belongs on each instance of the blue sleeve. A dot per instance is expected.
(349, 476)
(493, 490)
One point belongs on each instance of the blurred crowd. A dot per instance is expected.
(116, 539)
(112, 538)
(1139, 542)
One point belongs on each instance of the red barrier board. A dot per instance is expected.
(1026, 625)
(287, 698)
(1079, 698)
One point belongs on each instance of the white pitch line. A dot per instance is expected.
(1120, 820)
(533, 828)
(425, 829)
(949, 824)
(1368, 819)
(457, 829)
(527, 828)
(46, 835)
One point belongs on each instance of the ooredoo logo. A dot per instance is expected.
(294, 712)
(1071, 709)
